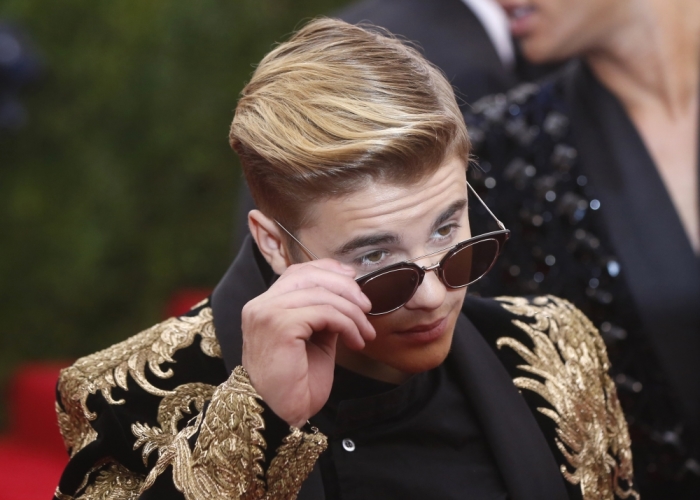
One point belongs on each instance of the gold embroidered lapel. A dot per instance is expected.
(570, 364)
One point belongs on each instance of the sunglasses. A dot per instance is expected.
(391, 287)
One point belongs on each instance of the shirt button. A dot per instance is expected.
(348, 445)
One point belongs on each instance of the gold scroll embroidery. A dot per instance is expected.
(569, 357)
(109, 368)
(226, 460)
(171, 410)
(293, 463)
(113, 481)
(77, 432)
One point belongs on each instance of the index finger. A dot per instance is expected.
(323, 273)
(329, 265)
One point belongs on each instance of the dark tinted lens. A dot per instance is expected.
(470, 263)
(391, 290)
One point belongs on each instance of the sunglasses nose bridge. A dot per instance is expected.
(434, 267)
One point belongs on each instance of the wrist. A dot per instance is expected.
(274, 405)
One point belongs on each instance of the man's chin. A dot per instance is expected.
(394, 355)
(411, 359)
(421, 362)
(394, 362)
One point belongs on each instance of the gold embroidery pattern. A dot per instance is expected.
(293, 463)
(109, 368)
(62, 496)
(171, 410)
(227, 456)
(77, 433)
(569, 357)
(226, 460)
(113, 481)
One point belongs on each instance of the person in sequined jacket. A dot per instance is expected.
(595, 171)
(339, 357)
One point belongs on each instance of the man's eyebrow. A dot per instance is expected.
(367, 241)
(449, 212)
(392, 238)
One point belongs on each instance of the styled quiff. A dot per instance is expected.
(335, 107)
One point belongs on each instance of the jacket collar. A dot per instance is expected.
(519, 447)
(247, 277)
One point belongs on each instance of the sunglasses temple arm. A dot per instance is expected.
(309, 252)
(500, 224)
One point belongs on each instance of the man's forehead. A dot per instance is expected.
(382, 199)
(381, 213)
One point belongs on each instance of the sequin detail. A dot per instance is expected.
(560, 245)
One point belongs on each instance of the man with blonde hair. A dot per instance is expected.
(338, 357)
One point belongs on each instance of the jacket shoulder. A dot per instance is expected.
(559, 361)
(138, 359)
(516, 316)
(544, 331)
(558, 321)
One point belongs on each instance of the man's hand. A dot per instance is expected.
(290, 333)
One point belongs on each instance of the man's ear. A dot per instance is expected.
(268, 236)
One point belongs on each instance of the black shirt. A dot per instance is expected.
(416, 440)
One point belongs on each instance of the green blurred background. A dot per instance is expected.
(121, 188)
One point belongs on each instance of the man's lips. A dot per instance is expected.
(520, 17)
(426, 332)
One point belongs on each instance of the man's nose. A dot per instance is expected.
(431, 293)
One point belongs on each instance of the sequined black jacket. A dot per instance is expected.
(563, 167)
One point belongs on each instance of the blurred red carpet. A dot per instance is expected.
(32, 455)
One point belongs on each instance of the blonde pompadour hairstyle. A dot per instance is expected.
(337, 106)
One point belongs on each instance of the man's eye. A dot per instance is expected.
(446, 230)
(374, 257)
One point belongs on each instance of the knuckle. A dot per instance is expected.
(248, 310)
(319, 290)
(327, 309)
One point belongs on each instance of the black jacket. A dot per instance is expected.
(169, 413)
